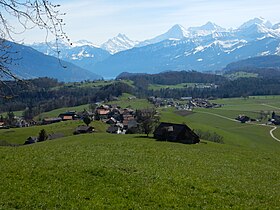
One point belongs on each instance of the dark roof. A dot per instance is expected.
(83, 129)
(112, 129)
(175, 132)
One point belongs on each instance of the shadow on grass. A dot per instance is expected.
(144, 137)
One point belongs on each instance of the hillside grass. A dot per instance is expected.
(19, 135)
(56, 112)
(104, 171)
(125, 102)
(178, 86)
(241, 74)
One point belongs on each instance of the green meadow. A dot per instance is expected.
(178, 86)
(104, 171)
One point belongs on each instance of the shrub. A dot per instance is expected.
(42, 135)
(210, 136)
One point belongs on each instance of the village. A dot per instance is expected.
(127, 120)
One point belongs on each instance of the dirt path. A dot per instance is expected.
(227, 118)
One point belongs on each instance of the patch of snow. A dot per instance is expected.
(198, 49)
(265, 53)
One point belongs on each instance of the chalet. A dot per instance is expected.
(103, 112)
(70, 115)
(175, 133)
(83, 129)
(2, 124)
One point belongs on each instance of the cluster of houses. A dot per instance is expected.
(18, 122)
(66, 116)
(121, 121)
(188, 103)
(203, 103)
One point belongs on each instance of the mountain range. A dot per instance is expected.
(28, 63)
(205, 48)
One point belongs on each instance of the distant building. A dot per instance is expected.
(83, 129)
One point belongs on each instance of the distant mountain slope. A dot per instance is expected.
(209, 54)
(29, 63)
(269, 61)
(204, 48)
(262, 66)
(82, 53)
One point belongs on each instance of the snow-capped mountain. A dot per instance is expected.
(177, 32)
(207, 29)
(29, 63)
(256, 21)
(119, 43)
(82, 53)
(205, 48)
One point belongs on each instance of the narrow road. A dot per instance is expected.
(227, 118)
(271, 133)
(275, 107)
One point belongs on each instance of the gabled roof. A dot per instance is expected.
(176, 132)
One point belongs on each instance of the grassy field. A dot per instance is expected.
(56, 112)
(19, 135)
(103, 171)
(241, 74)
(93, 84)
(136, 103)
(178, 86)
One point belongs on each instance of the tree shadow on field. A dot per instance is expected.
(144, 137)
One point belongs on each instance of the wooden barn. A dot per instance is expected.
(175, 133)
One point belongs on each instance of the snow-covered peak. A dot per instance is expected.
(209, 26)
(256, 21)
(176, 32)
(276, 26)
(206, 29)
(81, 43)
(119, 43)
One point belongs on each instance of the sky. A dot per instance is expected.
(99, 20)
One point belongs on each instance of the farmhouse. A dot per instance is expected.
(243, 118)
(83, 129)
(71, 115)
(175, 133)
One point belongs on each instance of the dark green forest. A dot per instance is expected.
(45, 94)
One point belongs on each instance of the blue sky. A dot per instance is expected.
(99, 20)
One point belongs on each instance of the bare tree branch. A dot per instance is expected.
(28, 14)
